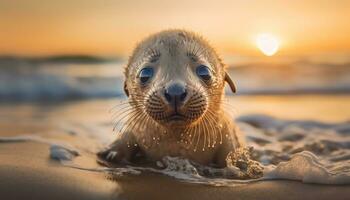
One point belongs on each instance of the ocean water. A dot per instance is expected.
(25, 79)
(295, 115)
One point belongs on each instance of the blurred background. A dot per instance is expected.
(60, 50)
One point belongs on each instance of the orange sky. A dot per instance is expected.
(112, 27)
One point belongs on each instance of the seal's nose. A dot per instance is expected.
(175, 93)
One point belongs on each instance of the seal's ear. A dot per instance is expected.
(126, 89)
(230, 82)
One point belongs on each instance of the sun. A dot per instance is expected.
(267, 43)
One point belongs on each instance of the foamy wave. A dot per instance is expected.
(306, 167)
(64, 80)
(56, 87)
(304, 150)
(60, 81)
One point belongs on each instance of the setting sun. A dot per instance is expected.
(267, 43)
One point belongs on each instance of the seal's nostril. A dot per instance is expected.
(183, 96)
(167, 96)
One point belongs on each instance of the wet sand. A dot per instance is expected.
(27, 172)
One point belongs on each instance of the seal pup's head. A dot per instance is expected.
(175, 78)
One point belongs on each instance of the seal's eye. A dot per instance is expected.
(203, 72)
(145, 74)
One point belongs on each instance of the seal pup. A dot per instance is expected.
(175, 83)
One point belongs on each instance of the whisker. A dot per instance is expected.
(132, 119)
(199, 136)
(207, 129)
(213, 125)
(123, 116)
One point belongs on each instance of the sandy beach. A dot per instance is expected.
(27, 171)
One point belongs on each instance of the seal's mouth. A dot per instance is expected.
(176, 117)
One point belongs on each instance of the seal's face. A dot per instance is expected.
(175, 79)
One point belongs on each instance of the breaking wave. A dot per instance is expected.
(24, 80)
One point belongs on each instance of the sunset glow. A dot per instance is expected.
(38, 28)
(267, 43)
